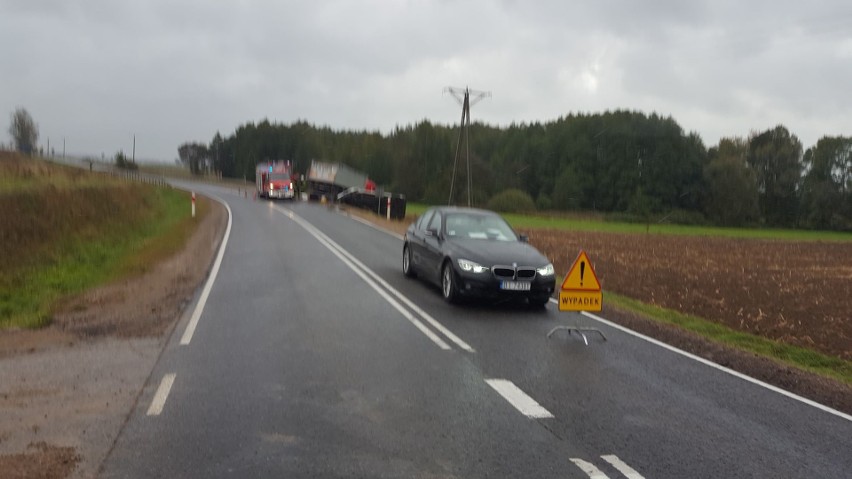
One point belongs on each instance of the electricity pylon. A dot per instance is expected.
(462, 95)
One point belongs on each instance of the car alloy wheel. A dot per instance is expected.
(406, 262)
(448, 283)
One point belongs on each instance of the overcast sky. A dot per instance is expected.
(96, 72)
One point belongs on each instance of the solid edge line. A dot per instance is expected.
(426, 316)
(434, 322)
(407, 315)
(375, 226)
(202, 301)
(519, 399)
(338, 251)
(622, 466)
(162, 394)
(719, 367)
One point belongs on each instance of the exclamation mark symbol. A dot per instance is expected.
(582, 271)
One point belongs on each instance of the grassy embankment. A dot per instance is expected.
(791, 355)
(66, 230)
(802, 358)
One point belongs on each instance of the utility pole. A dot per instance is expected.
(133, 158)
(462, 95)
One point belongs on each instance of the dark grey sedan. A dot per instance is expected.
(470, 252)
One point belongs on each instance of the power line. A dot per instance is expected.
(463, 96)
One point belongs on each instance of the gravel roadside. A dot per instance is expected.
(66, 390)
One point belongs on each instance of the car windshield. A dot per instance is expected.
(478, 226)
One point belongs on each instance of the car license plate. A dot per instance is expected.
(515, 285)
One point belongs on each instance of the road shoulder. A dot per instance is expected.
(66, 390)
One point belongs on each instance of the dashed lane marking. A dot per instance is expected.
(590, 469)
(161, 395)
(519, 399)
(622, 467)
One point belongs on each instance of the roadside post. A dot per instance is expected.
(389, 206)
(581, 291)
(193, 204)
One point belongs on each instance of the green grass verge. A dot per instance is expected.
(79, 264)
(560, 222)
(802, 358)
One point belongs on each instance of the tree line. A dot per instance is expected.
(623, 163)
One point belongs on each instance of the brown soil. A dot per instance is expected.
(797, 292)
(142, 307)
(40, 461)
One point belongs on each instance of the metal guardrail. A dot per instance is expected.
(112, 170)
(147, 178)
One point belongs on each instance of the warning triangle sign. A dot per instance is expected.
(582, 275)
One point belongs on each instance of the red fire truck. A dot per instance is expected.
(274, 180)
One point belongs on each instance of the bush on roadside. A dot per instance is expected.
(123, 162)
(511, 201)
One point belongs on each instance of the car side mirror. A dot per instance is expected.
(432, 232)
(523, 238)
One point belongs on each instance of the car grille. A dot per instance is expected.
(510, 272)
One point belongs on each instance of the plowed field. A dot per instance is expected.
(796, 292)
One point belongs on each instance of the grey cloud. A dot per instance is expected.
(97, 72)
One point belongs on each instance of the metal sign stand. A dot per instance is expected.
(581, 331)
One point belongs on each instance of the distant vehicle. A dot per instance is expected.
(274, 180)
(336, 182)
(470, 252)
(330, 179)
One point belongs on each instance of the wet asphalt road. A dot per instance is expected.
(315, 357)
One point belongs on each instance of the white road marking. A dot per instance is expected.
(713, 365)
(622, 467)
(161, 395)
(519, 399)
(721, 368)
(375, 227)
(750, 379)
(589, 468)
(423, 314)
(339, 252)
(202, 300)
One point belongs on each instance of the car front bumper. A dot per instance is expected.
(485, 285)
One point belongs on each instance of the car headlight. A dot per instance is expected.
(545, 271)
(470, 266)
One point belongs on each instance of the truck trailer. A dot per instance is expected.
(336, 182)
(327, 180)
